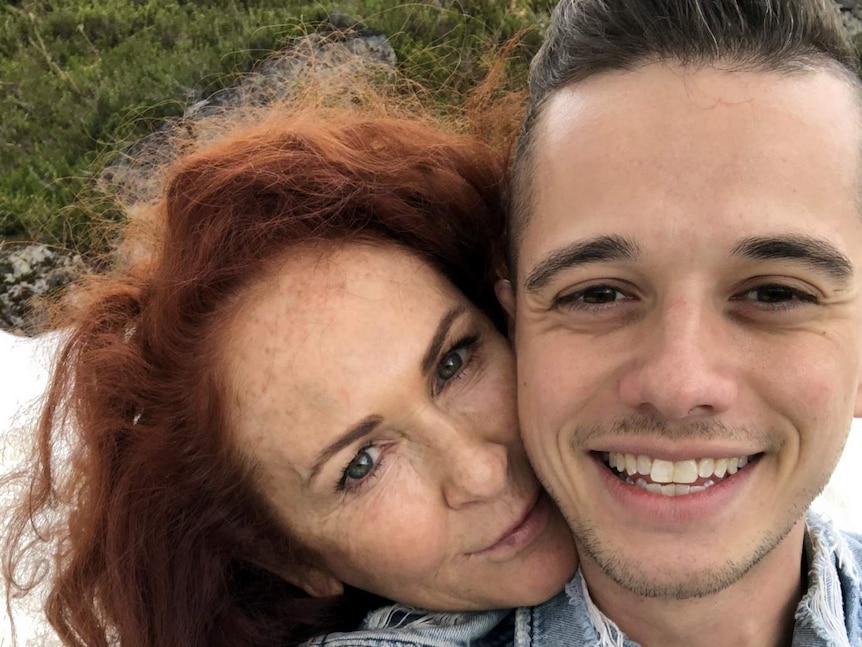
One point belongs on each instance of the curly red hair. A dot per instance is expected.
(167, 543)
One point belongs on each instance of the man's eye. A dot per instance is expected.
(775, 294)
(362, 465)
(600, 294)
(593, 296)
(452, 363)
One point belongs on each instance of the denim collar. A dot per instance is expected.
(829, 613)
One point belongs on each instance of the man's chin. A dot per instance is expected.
(697, 577)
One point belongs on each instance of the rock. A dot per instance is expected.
(851, 22)
(333, 60)
(316, 58)
(851, 15)
(29, 273)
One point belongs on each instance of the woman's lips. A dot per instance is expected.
(521, 534)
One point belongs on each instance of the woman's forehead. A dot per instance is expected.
(330, 339)
(323, 270)
(317, 294)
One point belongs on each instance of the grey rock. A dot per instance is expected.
(852, 23)
(324, 59)
(317, 58)
(29, 273)
(851, 15)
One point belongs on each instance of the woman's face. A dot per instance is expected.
(380, 407)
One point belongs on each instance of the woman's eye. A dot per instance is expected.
(362, 465)
(455, 363)
(771, 294)
(451, 364)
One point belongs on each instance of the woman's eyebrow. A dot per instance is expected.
(440, 336)
(354, 433)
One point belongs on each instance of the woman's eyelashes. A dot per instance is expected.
(362, 468)
(455, 362)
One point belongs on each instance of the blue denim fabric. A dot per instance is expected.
(403, 626)
(829, 614)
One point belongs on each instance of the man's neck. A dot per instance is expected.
(758, 610)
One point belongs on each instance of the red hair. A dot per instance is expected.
(167, 543)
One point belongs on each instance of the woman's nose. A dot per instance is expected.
(473, 470)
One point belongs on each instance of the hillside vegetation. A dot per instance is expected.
(82, 79)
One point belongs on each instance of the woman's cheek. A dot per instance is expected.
(400, 527)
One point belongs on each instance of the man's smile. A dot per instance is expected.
(673, 478)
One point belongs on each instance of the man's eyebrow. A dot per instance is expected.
(440, 336)
(354, 433)
(594, 250)
(813, 252)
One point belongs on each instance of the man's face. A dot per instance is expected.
(689, 315)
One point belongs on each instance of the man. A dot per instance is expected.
(686, 291)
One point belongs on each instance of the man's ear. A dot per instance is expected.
(503, 290)
(316, 581)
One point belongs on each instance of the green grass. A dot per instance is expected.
(81, 79)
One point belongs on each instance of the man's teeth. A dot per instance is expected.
(673, 478)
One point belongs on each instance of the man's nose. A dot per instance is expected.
(472, 468)
(682, 366)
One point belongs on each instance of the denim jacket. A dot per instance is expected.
(402, 626)
(829, 614)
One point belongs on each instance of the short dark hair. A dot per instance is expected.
(589, 37)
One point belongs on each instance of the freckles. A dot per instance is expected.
(410, 548)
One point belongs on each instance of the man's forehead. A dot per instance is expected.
(693, 131)
(679, 99)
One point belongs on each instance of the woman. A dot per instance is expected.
(299, 406)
